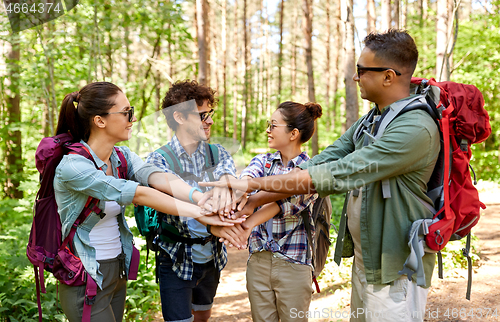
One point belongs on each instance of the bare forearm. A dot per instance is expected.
(171, 184)
(296, 182)
(262, 215)
(155, 199)
(265, 197)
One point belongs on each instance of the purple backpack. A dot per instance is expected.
(46, 249)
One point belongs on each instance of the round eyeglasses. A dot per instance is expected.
(271, 126)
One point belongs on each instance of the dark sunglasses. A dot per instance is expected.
(205, 115)
(360, 70)
(130, 113)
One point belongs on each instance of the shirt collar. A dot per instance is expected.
(403, 101)
(115, 160)
(293, 162)
(179, 150)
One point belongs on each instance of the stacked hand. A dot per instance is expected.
(234, 236)
(224, 202)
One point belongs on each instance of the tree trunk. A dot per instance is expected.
(13, 152)
(371, 16)
(201, 17)
(337, 44)
(442, 63)
(386, 15)
(370, 27)
(260, 82)
(235, 72)
(404, 14)
(268, 69)
(280, 54)
(246, 55)
(397, 5)
(425, 9)
(307, 27)
(293, 62)
(171, 58)
(327, 61)
(210, 44)
(465, 10)
(352, 107)
(224, 63)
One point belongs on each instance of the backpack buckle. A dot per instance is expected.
(207, 239)
(48, 260)
(90, 300)
(438, 239)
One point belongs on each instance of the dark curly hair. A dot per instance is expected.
(182, 91)
(394, 46)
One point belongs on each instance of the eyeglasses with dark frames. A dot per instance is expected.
(360, 70)
(205, 115)
(272, 126)
(130, 113)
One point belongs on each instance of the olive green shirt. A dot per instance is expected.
(405, 154)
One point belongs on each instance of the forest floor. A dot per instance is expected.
(446, 301)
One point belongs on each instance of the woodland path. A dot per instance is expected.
(446, 301)
(447, 295)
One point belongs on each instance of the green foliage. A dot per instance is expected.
(143, 295)
(17, 283)
(453, 256)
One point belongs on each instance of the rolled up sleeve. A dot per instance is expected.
(138, 170)
(78, 174)
(293, 206)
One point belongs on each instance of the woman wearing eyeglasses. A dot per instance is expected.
(279, 272)
(99, 116)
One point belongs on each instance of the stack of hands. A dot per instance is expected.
(225, 211)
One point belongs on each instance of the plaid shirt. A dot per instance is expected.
(181, 254)
(289, 231)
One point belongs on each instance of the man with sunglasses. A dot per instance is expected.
(385, 176)
(189, 265)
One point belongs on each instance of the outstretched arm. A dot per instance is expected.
(295, 182)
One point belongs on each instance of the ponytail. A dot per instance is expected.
(79, 108)
(68, 117)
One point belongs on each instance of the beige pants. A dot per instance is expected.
(400, 301)
(277, 289)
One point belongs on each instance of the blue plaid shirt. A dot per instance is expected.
(289, 231)
(183, 260)
(76, 178)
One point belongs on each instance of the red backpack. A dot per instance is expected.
(46, 250)
(459, 113)
(462, 120)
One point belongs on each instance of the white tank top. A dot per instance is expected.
(105, 236)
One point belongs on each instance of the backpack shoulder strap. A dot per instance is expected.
(211, 159)
(211, 155)
(171, 158)
(123, 168)
(269, 165)
(419, 102)
(364, 124)
(92, 203)
(78, 148)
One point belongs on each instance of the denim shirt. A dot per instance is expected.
(77, 178)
